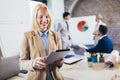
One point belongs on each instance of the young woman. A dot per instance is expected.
(37, 44)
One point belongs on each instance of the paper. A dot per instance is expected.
(83, 46)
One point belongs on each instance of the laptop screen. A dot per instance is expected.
(9, 66)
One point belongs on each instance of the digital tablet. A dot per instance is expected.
(56, 55)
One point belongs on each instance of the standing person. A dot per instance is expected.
(37, 44)
(63, 29)
(99, 22)
(104, 44)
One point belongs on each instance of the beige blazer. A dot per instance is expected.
(32, 48)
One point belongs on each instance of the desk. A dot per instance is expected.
(20, 76)
(81, 71)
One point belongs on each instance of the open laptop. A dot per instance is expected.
(73, 59)
(9, 66)
(77, 55)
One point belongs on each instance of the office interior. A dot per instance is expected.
(16, 18)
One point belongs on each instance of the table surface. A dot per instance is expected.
(81, 71)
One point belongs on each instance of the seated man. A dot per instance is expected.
(104, 44)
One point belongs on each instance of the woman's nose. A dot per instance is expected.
(44, 18)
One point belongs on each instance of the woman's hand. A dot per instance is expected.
(39, 63)
(59, 63)
(95, 33)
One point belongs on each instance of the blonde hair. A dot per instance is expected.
(99, 16)
(39, 6)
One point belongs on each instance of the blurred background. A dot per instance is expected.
(16, 16)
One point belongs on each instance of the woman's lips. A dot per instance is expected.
(44, 23)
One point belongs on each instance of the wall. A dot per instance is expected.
(14, 21)
(56, 8)
(109, 9)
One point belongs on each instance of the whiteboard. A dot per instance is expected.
(84, 37)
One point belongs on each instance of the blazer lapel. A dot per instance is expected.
(39, 44)
(51, 42)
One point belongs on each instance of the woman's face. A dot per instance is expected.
(97, 19)
(43, 20)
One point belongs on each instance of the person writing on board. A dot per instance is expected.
(37, 44)
(104, 44)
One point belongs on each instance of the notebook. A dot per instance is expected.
(83, 46)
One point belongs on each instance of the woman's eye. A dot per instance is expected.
(46, 16)
(41, 16)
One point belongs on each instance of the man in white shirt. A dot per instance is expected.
(63, 29)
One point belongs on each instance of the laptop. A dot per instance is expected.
(9, 66)
(76, 56)
(73, 59)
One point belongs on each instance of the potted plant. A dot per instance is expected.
(94, 57)
(101, 58)
(89, 60)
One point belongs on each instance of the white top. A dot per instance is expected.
(102, 36)
(97, 26)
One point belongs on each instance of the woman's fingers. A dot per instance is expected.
(60, 62)
(39, 63)
(40, 66)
